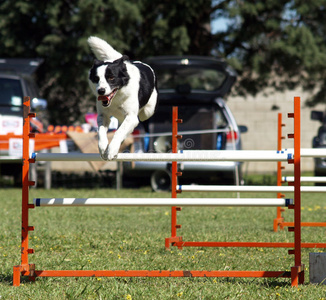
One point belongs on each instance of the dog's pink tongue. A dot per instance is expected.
(103, 98)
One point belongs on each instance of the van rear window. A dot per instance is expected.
(201, 79)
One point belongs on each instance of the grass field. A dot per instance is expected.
(133, 238)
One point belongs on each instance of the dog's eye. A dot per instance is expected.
(111, 78)
(96, 79)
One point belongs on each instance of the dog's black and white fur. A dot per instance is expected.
(125, 90)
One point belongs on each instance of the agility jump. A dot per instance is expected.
(279, 221)
(297, 271)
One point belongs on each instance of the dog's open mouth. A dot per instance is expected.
(107, 99)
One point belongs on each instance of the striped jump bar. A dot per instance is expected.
(162, 202)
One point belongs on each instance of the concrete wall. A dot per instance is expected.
(257, 114)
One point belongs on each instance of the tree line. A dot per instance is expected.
(275, 43)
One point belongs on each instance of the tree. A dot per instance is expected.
(58, 30)
(174, 27)
(279, 43)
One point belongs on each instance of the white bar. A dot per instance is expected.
(199, 155)
(188, 132)
(314, 152)
(10, 158)
(305, 178)
(249, 188)
(309, 152)
(242, 155)
(161, 202)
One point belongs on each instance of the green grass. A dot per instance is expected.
(133, 238)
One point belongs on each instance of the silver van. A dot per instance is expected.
(197, 86)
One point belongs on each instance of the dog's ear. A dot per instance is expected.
(122, 59)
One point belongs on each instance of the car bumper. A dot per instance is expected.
(320, 166)
(186, 167)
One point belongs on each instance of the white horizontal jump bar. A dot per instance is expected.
(309, 152)
(161, 202)
(305, 178)
(242, 155)
(188, 132)
(199, 155)
(249, 188)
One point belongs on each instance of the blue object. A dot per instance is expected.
(38, 201)
(146, 143)
(219, 142)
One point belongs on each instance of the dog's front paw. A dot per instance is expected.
(113, 151)
(104, 153)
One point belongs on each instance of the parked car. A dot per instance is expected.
(16, 81)
(197, 86)
(319, 141)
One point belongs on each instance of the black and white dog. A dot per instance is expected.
(124, 89)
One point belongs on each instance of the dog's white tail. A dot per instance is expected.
(102, 50)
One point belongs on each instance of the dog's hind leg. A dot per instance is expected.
(148, 110)
(103, 123)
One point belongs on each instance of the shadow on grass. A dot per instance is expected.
(7, 280)
(259, 282)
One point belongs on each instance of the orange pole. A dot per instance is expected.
(278, 221)
(297, 190)
(25, 250)
(307, 224)
(249, 244)
(174, 181)
(174, 171)
(297, 272)
(25, 180)
(160, 273)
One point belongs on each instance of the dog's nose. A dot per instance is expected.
(101, 91)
